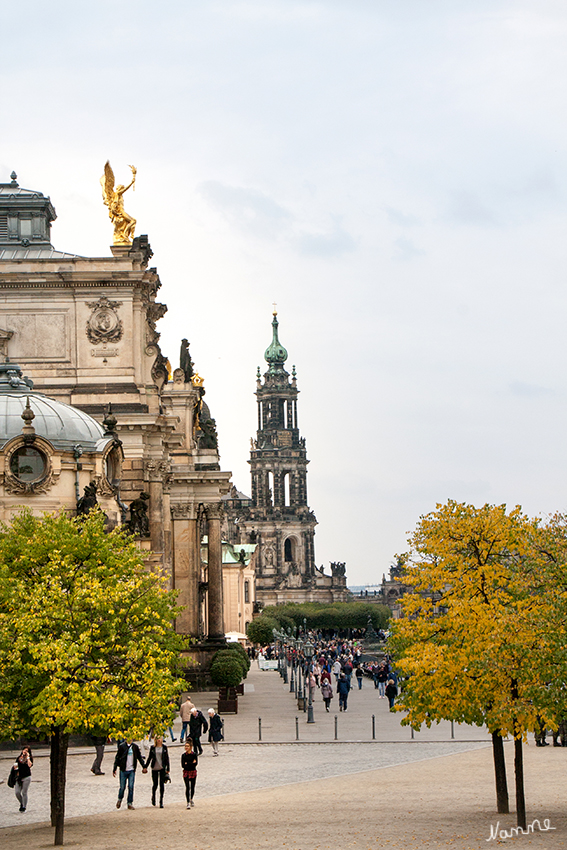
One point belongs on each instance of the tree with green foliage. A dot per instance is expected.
(472, 640)
(86, 637)
(260, 630)
(336, 616)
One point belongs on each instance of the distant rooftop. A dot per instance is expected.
(25, 224)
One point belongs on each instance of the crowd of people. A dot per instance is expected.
(333, 667)
(129, 755)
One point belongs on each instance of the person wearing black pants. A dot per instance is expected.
(158, 759)
(189, 761)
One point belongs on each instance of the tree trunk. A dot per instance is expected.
(58, 769)
(500, 774)
(519, 771)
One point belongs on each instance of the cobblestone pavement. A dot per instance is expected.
(245, 767)
(244, 763)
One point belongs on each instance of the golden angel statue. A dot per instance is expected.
(124, 224)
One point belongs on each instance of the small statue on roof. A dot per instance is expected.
(185, 361)
(124, 224)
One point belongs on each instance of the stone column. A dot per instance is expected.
(155, 471)
(216, 626)
(186, 566)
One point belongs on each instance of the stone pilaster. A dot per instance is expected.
(216, 626)
(154, 472)
(187, 565)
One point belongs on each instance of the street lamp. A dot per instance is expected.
(292, 684)
(309, 650)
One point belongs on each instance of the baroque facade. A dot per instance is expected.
(277, 518)
(85, 330)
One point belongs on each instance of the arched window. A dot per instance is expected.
(289, 549)
(286, 491)
(246, 591)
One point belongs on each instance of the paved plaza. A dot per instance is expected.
(392, 791)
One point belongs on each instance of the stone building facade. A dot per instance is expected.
(277, 517)
(85, 330)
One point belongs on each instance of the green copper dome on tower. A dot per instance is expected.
(275, 354)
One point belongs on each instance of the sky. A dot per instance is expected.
(392, 173)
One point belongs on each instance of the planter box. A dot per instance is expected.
(240, 690)
(228, 701)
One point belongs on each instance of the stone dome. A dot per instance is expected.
(64, 426)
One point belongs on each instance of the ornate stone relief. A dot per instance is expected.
(18, 486)
(184, 510)
(156, 470)
(104, 324)
(5, 337)
(155, 311)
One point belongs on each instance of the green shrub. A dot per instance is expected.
(226, 672)
(240, 652)
(229, 653)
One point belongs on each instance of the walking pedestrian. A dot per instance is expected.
(189, 762)
(158, 760)
(127, 756)
(215, 730)
(359, 675)
(337, 670)
(185, 715)
(99, 742)
(23, 765)
(391, 692)
(197, 726)
(326, 693)
(382, 679)
(343, 689)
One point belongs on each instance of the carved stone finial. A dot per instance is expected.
(110, 421)
(14, 178)
(28, 416)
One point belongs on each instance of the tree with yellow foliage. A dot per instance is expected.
(86, 638)
(473, 641)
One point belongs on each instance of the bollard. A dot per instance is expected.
(297, 728)
(336, 727)
(412, 733)
(373, 728)
(452, 729)
(259, 728)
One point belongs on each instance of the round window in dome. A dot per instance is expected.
(27, 464)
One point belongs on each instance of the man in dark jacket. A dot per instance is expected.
(127, 755)
(343, 688)
(197, 726)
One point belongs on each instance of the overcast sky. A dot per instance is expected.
(391, 173)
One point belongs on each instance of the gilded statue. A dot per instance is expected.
(124, 224)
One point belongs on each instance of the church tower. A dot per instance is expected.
(277, 517)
